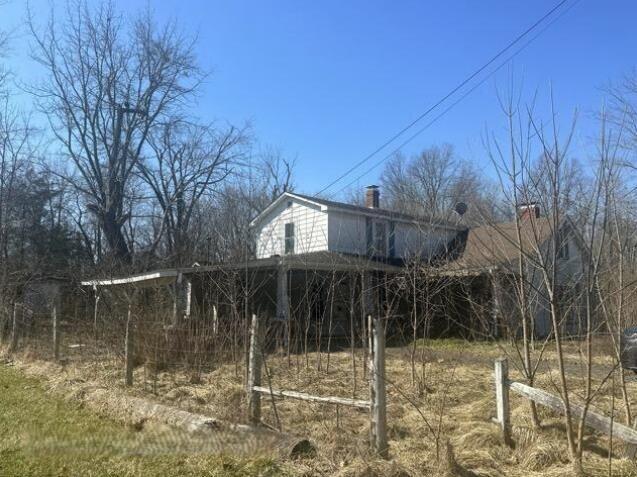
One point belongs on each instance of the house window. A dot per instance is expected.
(289, 238)
(380, 239)
(562, 250)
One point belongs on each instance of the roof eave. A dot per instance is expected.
(278, 200)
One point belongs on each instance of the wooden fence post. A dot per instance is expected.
(56, 334)
(502, 398)
(13, 344)
(254, 371)
(378, 396)
(129, 345)
(95, 305)
(215, 320)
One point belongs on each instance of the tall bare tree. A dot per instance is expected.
(433, 182)
(188, 162)
(110, 81)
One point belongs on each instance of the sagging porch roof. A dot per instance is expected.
(317, 261)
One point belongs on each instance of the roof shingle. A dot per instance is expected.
(496, 245)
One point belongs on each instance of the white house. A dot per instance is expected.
(299, 224)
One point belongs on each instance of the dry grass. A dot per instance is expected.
(456, 407)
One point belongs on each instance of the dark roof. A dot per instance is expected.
(307, 261)
(391, 214)
(496, 245)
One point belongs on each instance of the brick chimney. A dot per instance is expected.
(529, 211)
(372, 197)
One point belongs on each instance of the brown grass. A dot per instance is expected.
(456, 436)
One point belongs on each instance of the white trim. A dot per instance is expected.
(132, 279)
(278, 200)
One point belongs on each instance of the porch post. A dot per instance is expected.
(183, 297)
(367, 293)
(495, 303)
(282, 307)
(282, 294)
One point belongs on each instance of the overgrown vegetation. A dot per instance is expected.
(44, 434)
(458, 402)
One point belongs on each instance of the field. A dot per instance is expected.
(438, 425)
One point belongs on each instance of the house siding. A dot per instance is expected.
(341, 231)
(310, 229)
(348, 233)
(424, 241)
(569, 273)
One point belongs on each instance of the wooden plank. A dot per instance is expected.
(593, 419)
(254, 371)
(153, 278)
(503, 410)
(309, 397)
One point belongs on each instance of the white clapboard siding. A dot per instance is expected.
(310, 229)
(347, 233)
(420, 240)
(317, 229)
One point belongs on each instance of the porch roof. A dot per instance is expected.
(318, 261)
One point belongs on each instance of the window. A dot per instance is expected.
(289, 238)
(380, 239)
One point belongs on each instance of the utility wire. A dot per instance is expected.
(447, 96)
(452, 105)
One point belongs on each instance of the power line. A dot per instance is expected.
(451, 106)
(447, 96)
(459, 100)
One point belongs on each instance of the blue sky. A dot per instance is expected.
(328, 82)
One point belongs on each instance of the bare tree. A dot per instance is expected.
(434, 181)
(188, 162)
(109, 83)
(251, 189)
(622, 110)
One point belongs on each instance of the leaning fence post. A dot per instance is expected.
(378, 393)
(56, 333)
(502, 398)
(254, 371)
(13, 344)
(129, 344)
